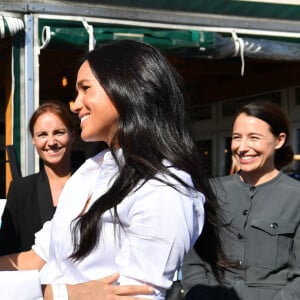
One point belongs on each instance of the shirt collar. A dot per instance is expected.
(103, 157)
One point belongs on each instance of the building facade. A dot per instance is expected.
(228, 54)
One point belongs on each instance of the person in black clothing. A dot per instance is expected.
(31, 200)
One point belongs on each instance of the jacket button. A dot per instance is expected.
(245, 212)
(274, 225)
(240, 236)
(240, 263)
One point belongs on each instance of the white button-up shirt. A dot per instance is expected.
(160, 224)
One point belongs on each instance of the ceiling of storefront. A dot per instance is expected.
(207, 80)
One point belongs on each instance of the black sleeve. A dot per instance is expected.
(197, 284)
(9, 232)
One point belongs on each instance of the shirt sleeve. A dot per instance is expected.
(164, 224)
(20, 285)
(42, 241)
(193, 271)
(9, 233)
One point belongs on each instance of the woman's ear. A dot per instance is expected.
(280, 140)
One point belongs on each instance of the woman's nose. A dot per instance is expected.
(240, 145)
(51, 140)
(75, 105)
(244, 144)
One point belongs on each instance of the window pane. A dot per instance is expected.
(296, 165)
(227, 155)
(205, 149)
(297, 96)
(201, 113)
(230, 108)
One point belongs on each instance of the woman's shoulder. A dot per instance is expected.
(26, 179)
(23, 188)
(224, 181)
(289, 181)
(177, 182)
(174, 173)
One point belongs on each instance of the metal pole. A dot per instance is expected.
(31, 92)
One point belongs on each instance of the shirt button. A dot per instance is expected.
(252, 189)
(240, 236)
(274, 225)
(245, 212)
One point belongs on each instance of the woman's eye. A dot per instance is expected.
(60, 132)
(41, 134)
(235, 138)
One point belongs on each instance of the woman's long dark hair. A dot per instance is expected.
(149, 96)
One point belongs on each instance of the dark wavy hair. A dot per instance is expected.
(149, 96)
(272, 114)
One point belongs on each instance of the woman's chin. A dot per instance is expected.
(87, 138)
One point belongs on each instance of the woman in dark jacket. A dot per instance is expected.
(261, 208)
(32, 200)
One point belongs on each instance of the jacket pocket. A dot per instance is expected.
(274, 227)
(270, 242)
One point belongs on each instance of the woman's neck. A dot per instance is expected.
(257, 178)
(57, 177)
(58, 171)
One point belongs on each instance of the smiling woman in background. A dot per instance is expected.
(261, 208)
(32, 200)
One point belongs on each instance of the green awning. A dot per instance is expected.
(204, 42)
(190, 43)
(74, 33)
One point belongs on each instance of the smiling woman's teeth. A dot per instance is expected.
(84, 117)
(246, 157)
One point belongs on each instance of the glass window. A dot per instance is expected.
(227, 156)
(201, 113)
(230, 108)
(297, 96)
(274, 97)
(205, 148)
(296, 165)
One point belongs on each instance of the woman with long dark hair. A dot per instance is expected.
(137, 207)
